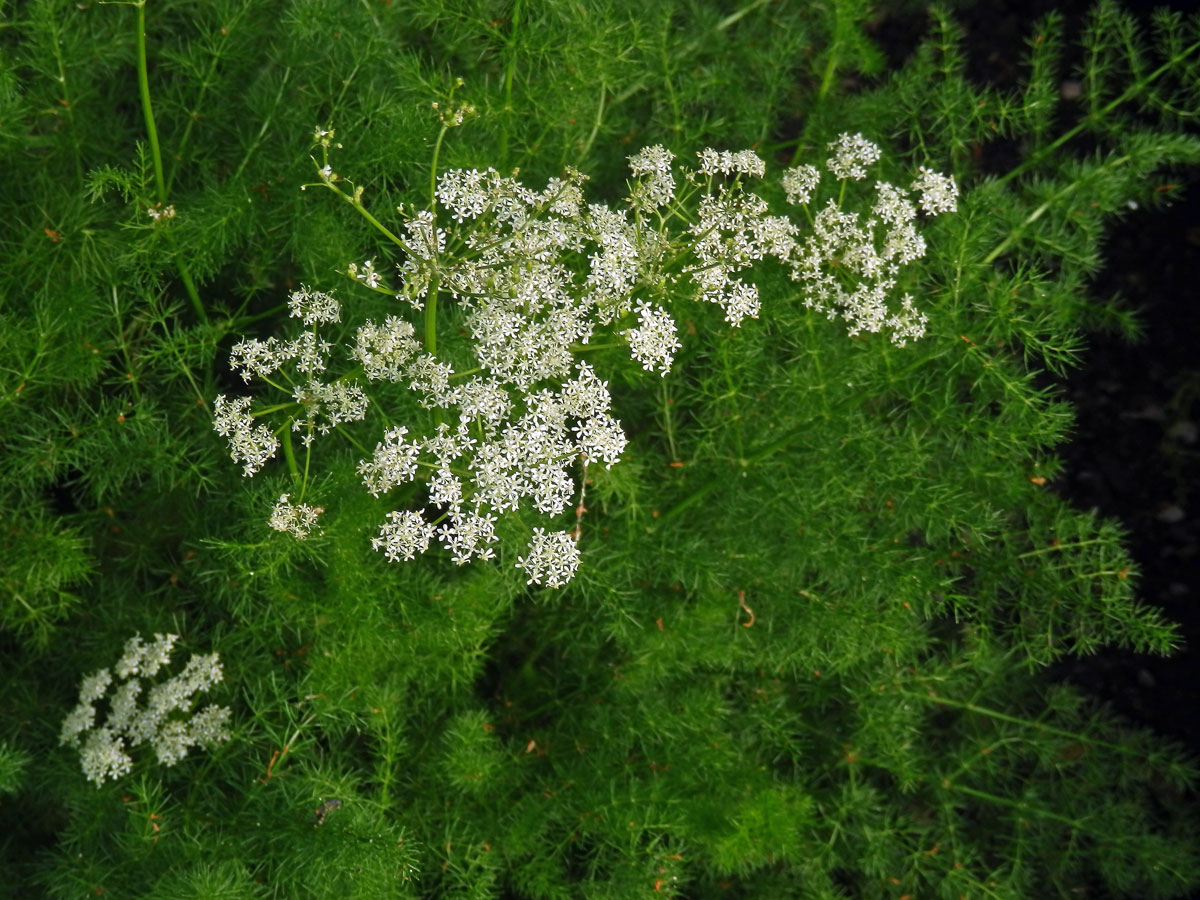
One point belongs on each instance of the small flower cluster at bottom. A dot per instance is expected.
(102, 747)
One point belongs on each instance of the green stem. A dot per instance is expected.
(1022, 806)
(1015, 720)
(156, 153)
(827, 76)
(1039, 212)
(288, 452)
(431, 318)
(307, 459)
(357, 204)
(1058, 548)
(587, 148)
(584, 348)
(510, 65)
(147, 111)
(66, 102)
(1129, 94)
(433, 168)
(667, 423)
(206, 83)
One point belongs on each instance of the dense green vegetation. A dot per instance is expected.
(803, 651)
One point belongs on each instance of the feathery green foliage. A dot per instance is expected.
(803, 653)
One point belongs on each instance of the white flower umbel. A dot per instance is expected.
(551, 558)
(103, 748)
(850, 264)
(799, 183)
(656, 186)
(852, 153)
(248, 443)
(146, 659)
(537, 278)
(939, 193)
(314, 307)
(654, 342)
(404, 536)
(298, 520)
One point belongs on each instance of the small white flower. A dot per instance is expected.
(259, 358)
(296, 520)
(80, 719)
(657, 187)
(405, 535)
(247, 442)
(742, 162)
(367, 275)
(103, 755)
(939, 193)
(654, 342)
(385, 350)
(146, 660)
(394, 462)
(551, 558)
(314, 307)
(852, 153)
(94, 686)
(799, 182)
(892, 206)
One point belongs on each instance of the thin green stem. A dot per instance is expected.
(431, 318)
(676, 118)
(1131, 92)
(1014, 720)
(265, 125)
(147, 110)
(1058, 548)
(1022, 806)
(510, 66)
(355, 200)
(288, 452)
(433, 168)
(587, 147)
(584, 348)
(349, 437)
(125, 346)
(66, 102)
(714, 483)
(205, 84)
(1039, 212)
(668, 424)
(307, 459)
(160, 181)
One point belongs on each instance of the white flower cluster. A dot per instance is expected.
(732, 232)
(325, 405)
(102, 748)
(535, 275)
(552, 558)
(852, 153)
(849, 266)
(296, 520)
(654, 342)
(657, 185)
(248, 443)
